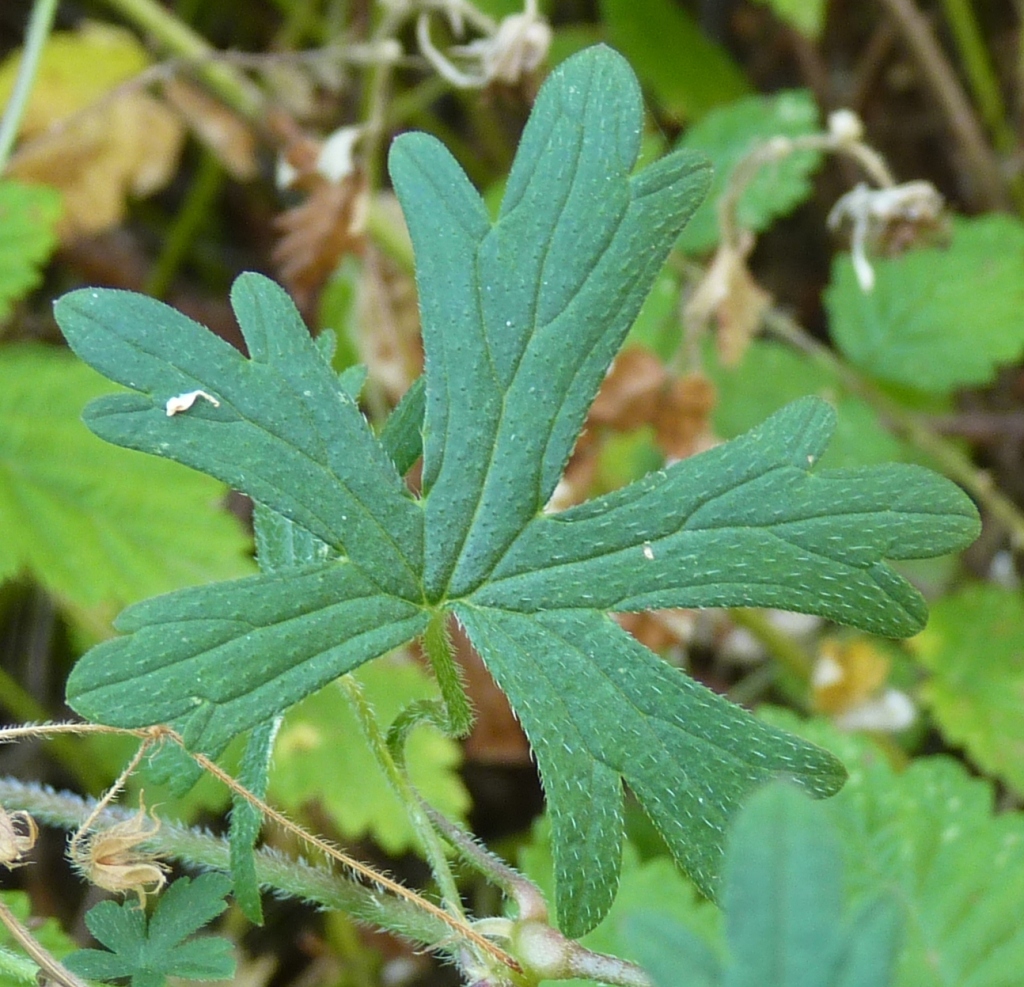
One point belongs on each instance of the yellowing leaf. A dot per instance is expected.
(76, 69)
(97, 151)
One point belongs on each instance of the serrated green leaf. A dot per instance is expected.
(726, 135)
(322, 757)
(687, 72)
(746, 524)
(520, 320)
(929, 835)
(190, 658)
(974, 648)
(600, 709)
(28, 224)
(94, 524)
(937, 318)
(281, 430)
(784, 905)
(150, 952)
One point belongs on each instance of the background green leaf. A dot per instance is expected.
(687, 72)
(770, 375)
(930, 835)
(28, 221)
(726, 135)
(919, 326)
(321, 757)
(807, 16)
(149, 952)
(94, 524)
(974, 648)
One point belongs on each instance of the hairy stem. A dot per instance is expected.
(409, 797)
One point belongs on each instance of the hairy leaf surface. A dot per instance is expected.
(521, 319)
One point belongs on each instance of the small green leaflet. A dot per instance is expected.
(150, 952)
(521, 319)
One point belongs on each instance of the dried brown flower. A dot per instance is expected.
(14, 843)
(111, 858)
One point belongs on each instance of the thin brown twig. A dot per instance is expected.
(48, 964)
(156, 733)
(987, 186)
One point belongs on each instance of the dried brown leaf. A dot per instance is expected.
(318, 232)
(230, 139)
(128, 146)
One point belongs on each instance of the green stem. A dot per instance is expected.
(980, 74)
(437, 643)
(39, 26)
(199, 849)
(202, 194)
(409, 797)
(179, 39)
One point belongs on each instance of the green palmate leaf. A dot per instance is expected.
(599, 708)
(938, 318)
(94, 524)
(745, 524)
(655, 884)
(28, 222)
(149, 952)
(726, 135)
(521, 319)
(221, 659)
(280, 428)
(974, 649)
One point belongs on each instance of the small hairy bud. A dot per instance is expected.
(18, 834)
(111, 858)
